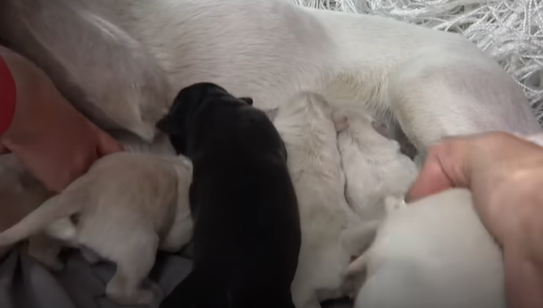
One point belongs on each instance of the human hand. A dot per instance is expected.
(505, 175)
(499, 169)
(56, 143)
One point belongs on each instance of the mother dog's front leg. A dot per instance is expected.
(447, 93)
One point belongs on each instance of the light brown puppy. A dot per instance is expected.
(126, 207)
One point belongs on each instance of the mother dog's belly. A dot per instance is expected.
(270, 50)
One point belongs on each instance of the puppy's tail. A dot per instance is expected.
(55, 208)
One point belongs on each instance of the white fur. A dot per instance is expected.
(103, 54)
(330, 232)
(433, 253)
(161, 144)
(127, 205)
(534, 138)
(373, 164)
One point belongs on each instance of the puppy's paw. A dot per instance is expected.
(393, 204)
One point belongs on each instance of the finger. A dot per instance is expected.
(447, 166)
(432, 179)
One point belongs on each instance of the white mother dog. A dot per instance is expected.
(123, 61)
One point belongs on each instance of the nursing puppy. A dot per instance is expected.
(124, 208)
(432, 253)
(373, 164)
(328, 224)
(246, 222)
(432, 83)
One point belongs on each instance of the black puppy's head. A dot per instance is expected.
(188, 103)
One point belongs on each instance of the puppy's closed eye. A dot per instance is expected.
(248, 100)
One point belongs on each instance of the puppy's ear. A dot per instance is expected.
(341, 120)
(248, 100)
(271, 113)
(167, 125)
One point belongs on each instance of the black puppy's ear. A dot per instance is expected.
(167, 125)
(248, 100)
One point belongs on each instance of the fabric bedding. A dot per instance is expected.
(24, 283)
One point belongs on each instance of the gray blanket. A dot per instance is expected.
(24, 283)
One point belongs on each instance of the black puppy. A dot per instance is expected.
(246, 222)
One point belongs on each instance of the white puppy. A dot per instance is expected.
(432, 253)
(373, 164)
(139, 53)
(329, 226)
(124, 208)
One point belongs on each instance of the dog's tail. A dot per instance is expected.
(55, 208)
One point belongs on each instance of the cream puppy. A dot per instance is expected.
(139, 53)
(124, 208)
(329, 226)
(432, 253)
(373, 164)
(21, 193)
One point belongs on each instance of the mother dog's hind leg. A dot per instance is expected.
(447, 93)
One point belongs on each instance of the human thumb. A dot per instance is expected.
(432, 179)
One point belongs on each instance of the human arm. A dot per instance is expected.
(55, 142)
